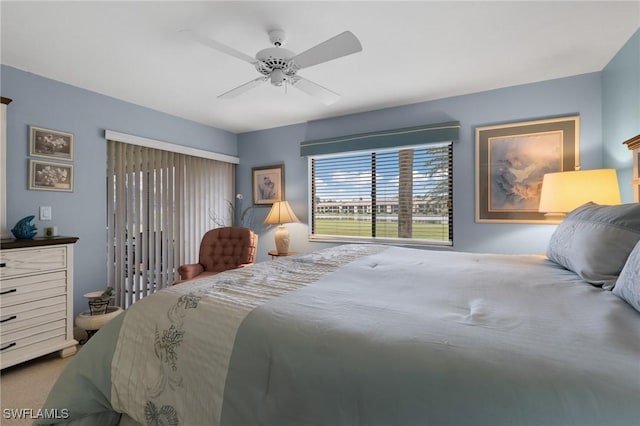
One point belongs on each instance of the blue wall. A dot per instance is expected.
(607, 102)
(621, 111)
(46, 103)
(568, 96)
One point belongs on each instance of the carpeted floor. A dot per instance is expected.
(26, 386)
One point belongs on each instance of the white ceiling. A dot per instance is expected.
(412, 51)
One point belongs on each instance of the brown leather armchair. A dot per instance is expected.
(222, 249)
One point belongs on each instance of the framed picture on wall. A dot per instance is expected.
(50, 143)
(268, 184)
(511, 160)
(47, 176)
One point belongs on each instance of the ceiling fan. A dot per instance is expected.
(280, 66)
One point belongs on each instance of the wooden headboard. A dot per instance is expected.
(634, 145)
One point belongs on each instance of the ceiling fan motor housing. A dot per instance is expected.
(275, 58)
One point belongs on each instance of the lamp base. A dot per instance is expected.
(282, 240)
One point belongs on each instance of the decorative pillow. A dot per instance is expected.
(594, 241)
(628, 283)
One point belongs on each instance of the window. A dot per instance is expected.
(399, 194)
(159, 205)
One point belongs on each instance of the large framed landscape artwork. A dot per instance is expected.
(511, 160)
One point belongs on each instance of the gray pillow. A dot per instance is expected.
(594, 241)
(628, 283)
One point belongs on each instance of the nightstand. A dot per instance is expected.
(274, 254)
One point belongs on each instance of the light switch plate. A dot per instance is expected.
(45, 212)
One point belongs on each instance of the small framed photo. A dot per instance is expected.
(268, 184)
(50, 143)
(46, 176)
(511, 160)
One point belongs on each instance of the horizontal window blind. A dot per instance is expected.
(398, 194)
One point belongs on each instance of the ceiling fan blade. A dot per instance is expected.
(314, 89)
(219, 46)
(341, 45)
(243, 88)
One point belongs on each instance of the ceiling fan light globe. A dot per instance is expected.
(277, 77)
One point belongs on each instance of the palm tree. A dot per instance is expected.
(405, 194)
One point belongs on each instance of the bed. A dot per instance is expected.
(381, 335)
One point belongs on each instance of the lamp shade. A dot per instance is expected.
(280, 213)
(564, 191)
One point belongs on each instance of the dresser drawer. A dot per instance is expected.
(30, 336)
(32, 261)
(24, 348)
(28, 289)
(21, 316)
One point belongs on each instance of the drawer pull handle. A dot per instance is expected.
(13, 290)
(10, 345)
(12, 317)
(3, 264)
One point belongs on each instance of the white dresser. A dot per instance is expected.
(36, 299)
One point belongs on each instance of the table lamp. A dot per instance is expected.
(281, 213)
(564, 191)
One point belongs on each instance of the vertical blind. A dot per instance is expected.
(159, 205)
(404, 194)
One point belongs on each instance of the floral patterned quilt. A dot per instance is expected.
(180, 334)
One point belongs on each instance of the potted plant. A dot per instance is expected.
(99, 301)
